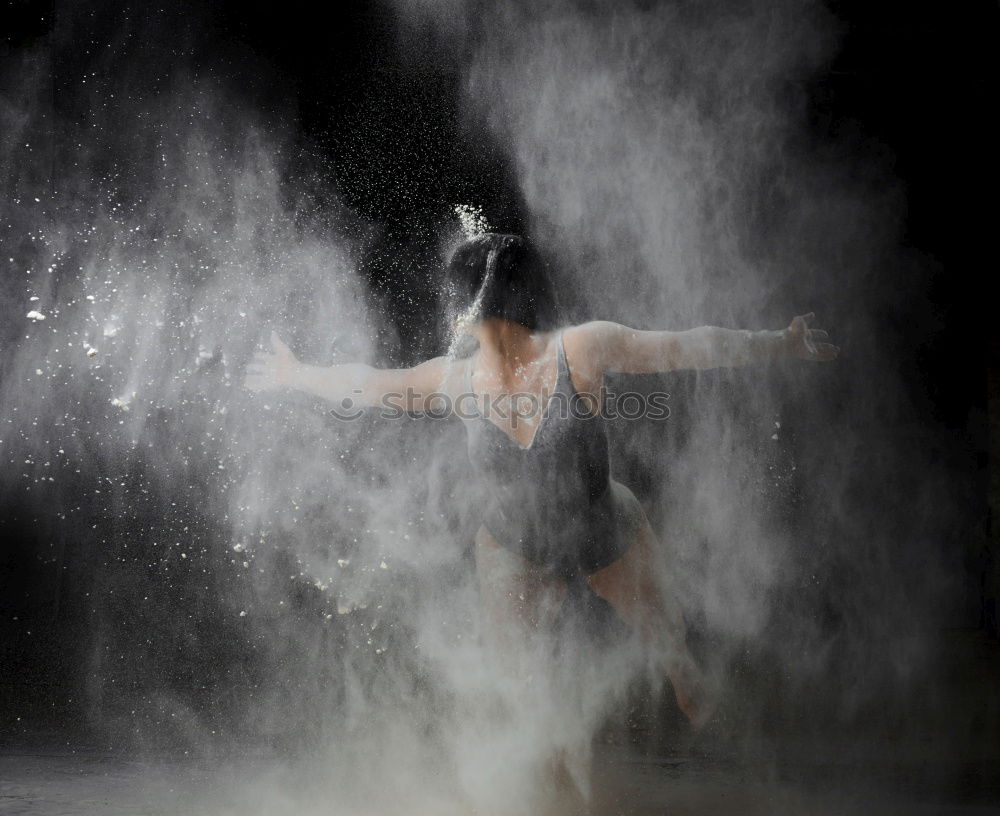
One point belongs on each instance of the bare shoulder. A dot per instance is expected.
(586, 346)
(593, 333)
(590, 339)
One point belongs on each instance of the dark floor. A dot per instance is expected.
(944, 758)
(87, 783)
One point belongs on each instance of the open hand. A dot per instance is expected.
(268, 372)
(809, 344)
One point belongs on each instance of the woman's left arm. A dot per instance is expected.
(614, 347)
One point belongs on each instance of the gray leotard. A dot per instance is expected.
(554, 502)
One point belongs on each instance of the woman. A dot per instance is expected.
(556, 526)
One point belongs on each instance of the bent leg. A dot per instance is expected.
(631, 586)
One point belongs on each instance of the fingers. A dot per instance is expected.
(825, 352)
(800, 323)
(260, 371)
(813, 341)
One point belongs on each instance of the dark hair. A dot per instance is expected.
(501, 276)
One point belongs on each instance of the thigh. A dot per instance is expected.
(632, 576)
(635, 584)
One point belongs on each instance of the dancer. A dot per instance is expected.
(557, 526)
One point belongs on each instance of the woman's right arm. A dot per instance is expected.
(405, 388)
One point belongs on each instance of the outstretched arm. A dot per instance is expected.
(614, 347)
(363, 385)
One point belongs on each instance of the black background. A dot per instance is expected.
(912, 87)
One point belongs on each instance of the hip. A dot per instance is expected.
(568, 541)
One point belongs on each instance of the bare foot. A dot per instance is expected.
(692, 693)
(565, 793)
